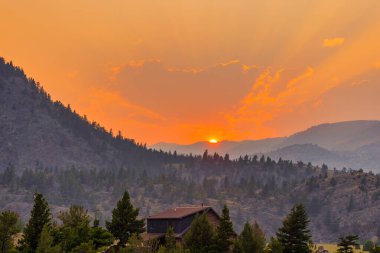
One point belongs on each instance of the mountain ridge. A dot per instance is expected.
(343, 141)
(334, 136)
(35, 130)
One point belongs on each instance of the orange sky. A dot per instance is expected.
(183, 71)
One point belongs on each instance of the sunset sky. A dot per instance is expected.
(185, 71)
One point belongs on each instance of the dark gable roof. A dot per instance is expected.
(181, 212)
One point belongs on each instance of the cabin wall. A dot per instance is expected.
(179, 225)
(186, 222)
(161, 226)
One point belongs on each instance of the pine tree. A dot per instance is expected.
(246, 239)
(324, 170)
(39, 217)
(347, 244)
(274, 246)
(200, 238)
(224, 232)
(8, 228)
(258, 238)
(237, 247)
(251, 240)
(124, 221)
(45, 243)
(170, 242)
(294, 235)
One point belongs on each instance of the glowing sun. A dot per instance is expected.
(213, 141)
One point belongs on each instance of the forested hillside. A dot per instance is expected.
(35, 131)
(47, 147)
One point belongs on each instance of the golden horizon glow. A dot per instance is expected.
(182, 71)
(213, 141)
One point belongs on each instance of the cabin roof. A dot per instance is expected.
(180, 212)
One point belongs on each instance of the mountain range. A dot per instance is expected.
(36, 130)
(350, 144)
(48, 147)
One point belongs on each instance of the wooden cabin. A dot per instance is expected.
(180, 219)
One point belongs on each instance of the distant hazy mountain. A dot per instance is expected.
(340, 136)
(233, 148)
(316, 155)
(351, 144)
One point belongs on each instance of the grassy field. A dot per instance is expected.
(332, 248)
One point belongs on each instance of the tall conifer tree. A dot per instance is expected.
(45, 244)
(274, 246)
(125, 220)
(170, 241)
(251, 240)
(201, 237)
(39, 217)
(258, 238)
(246, 239)
(294, 235)
(224, 232)
(347, 244)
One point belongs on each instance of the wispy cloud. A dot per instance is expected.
(272, 94)
(333, 42)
